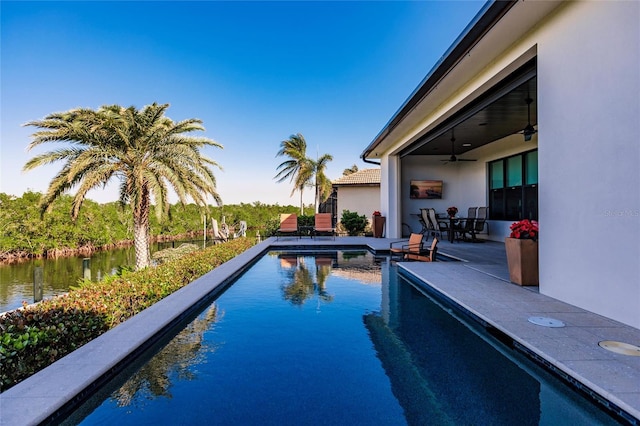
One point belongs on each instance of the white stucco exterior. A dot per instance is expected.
(589, 157)
(588, 79)
(361, 199)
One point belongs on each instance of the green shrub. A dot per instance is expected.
(169, 254)
(306, 220)
(271, 226)
(353, 222)
(35, 336)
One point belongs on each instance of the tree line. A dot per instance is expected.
(27, 233)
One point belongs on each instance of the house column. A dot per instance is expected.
(390, 201)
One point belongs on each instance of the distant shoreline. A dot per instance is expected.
(17, 256)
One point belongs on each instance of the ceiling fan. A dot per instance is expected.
(529, 130)
(453, 157)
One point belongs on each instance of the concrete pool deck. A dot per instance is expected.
(479, 285)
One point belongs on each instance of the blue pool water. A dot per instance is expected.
(333, 338)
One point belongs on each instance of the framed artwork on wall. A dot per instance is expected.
(426, 189)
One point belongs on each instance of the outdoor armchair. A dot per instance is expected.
(401, 248)
(425, 255)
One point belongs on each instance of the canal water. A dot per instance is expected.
(16, 280)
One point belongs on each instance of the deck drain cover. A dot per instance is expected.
(546, 322)
(620, 347)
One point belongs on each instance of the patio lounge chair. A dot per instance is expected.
(323, 225)
(413, 245)
(425, 255)
(288, 225)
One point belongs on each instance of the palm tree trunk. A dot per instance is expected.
(141, 243)
(301, 204)
(141, 231)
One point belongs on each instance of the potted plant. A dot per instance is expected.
(452, 211)
(522, 252)
(378, 222)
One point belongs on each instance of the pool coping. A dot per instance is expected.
(56, 391)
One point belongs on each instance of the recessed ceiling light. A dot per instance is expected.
(466, 144)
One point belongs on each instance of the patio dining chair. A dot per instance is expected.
(439, 226)
(425, 221)
(468, 227)
(481, 221)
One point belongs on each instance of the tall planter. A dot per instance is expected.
(522, 258)
(378, 226)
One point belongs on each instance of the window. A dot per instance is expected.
(513, 187)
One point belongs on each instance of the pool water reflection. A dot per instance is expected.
(334, 338)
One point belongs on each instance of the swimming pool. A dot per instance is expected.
(333, 338)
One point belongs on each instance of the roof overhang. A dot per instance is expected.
(490, 33)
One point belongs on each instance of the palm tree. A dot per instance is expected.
(148, 152)
(323, 184)
(298, 169)
(350, 170)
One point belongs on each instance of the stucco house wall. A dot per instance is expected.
(589, 156)
(361, 199)
(358, 192)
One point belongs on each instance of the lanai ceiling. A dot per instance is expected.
(489, 118)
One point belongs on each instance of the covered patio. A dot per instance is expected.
(478, 153)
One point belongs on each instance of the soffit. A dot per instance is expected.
(520, 19)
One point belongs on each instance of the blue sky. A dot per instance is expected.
(254, 72)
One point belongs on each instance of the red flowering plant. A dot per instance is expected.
(377, 213)
(524, 230)
(452, 211)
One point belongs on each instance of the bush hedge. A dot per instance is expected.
(35, 336)
(354, 223)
